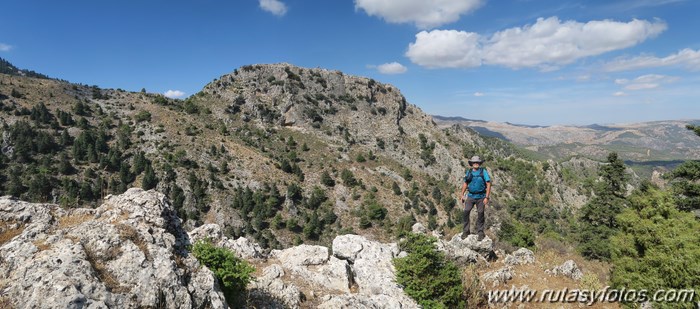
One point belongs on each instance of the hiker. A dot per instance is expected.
(478, 181)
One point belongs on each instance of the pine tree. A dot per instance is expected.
(326, 179)
(657, 246)
(149, 178)
(597, 217)
(14, 183)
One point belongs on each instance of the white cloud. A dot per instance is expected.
(686, 58)
(648, 81)
(445, 49)
(619, 94)
(5, 47)
(275, 7)
(174, 94)
(423, 13)
(547, 44)
(478, 94)
(392, 68)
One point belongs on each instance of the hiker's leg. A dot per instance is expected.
(468, 205)
(480, 217)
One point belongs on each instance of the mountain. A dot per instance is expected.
(282, 165)
(639, 142)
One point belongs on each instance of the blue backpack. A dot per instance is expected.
(477, 187)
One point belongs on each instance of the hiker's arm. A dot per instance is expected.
(464, 189)
(488, 191)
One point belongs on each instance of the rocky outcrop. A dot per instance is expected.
(467, 251)
(498, 277)
(270, 290)
(129, 252)
(521, 256)
(242, 247)
(568, 269)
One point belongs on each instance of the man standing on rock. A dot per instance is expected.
(478, 181)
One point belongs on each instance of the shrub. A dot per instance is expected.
(233, 273)
(427, 276)
(656, 247)
(348, 178)
(516, 234)
(142, 116)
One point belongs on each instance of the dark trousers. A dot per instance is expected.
(468, 205)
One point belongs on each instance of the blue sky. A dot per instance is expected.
(540, 62)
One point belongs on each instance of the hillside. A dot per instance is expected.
(641, 142)
(264, 151)
(289, 159)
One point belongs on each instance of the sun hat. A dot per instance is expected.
(475, 159)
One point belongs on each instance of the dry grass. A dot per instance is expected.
(5, 302)
(41, 244)
(73, 220)
(130, 233)
(534, 277)
(103, 274)
(8, 231)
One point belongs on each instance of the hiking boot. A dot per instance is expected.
(481, 237)
(465, 236)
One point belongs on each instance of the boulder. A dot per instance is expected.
(521, 256)
(568, 269)
(374, 272)
(270, 291)
(242, 247)
(468, 250)
(498, 277)
(419, 228)
(314, 265)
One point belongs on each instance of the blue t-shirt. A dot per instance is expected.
(477, 187)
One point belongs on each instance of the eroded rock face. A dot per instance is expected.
(127, 253)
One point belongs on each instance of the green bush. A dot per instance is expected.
(516, 234)
(233, 273)
(427, 276)
(657, 246)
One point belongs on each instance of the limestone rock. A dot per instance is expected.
(243, 247)
(129, 252)
(314, 265)
(302, 255)
(521, 256)
(418, 228)
(270, 291)
(568, 269)
(373, 271)
(469, 250)
(498, 277)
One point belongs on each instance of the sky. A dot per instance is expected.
(537, 62)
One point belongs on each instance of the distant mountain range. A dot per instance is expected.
(665, 140)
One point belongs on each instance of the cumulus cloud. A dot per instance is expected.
(547, 44)
(5, 47)
(445, 49)
(423, 13)
(648, 81)
(686, 58)
(478, 94)
(275, 7)
(392, 68)
(174, 94)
